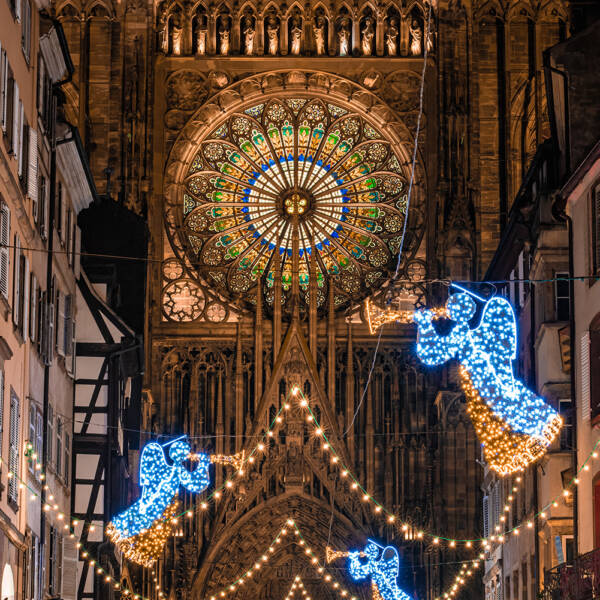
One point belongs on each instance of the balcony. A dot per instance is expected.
(579, 581)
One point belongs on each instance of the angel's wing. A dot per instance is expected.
(497, 331)
(153, 466)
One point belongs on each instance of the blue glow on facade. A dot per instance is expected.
(486, 353)
(381, 566)
(160, 483)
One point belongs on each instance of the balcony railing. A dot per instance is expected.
(579, 581)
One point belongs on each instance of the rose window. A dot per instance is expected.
(294, 186)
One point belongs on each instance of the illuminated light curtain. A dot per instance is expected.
(294, 167)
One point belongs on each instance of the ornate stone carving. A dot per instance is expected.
(186, 90)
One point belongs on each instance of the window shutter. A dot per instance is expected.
(3, 87)
(596, 225)
(16, 121)
(32, 168)
(14, 445)
(33, 308)
(25, 299)
(4, 249)
(11, 92)
(23, 156)
(1, 405)
(486, 517)
(585, 376)
(18, 9)
(16, 282)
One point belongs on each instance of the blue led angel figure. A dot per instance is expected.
(160, 483)
(381, 567)
(486, 354)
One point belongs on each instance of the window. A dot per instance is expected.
(40, 211)
(1, 406)
(12, 92)
(14, 444)
(59, 450)
(486, 517)
(596, 229)
(566, 433)
(20, 289)
(67, 466)
(26, 29)
(4, 249)
(597, 512)
(59, 209)
(68, 233)
(31, 582)
(57, 322)
(55, 559)
(31, 436)
(562, 297)
(33, 307)
(68, 332)
(4, 74)
(50, 433)
(591, 375)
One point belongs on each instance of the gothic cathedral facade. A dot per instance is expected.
(272, 148)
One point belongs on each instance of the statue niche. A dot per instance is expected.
(175, 28)
(272, 35)
(199, 31)
(391, 33)
(416, 34)
(248, 31)
(295, 34)
(224, 34)
(344, 35)
(367, 34)
(321, 33)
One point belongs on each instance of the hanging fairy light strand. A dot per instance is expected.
(382, 511)
(290, 527)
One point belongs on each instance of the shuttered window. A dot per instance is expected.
(26, 29)
(33, 308)
(4, 249)
(486, 517)
(596, 229)
(32, 171)
(59, 448)
(50, 434)
(31, 435)
(12, 92)
(585, 376)
(16, 279)
(3, 88)
(14, 443)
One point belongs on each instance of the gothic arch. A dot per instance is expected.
(239, 543)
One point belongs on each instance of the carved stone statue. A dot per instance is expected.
(391, 37)
(273, 35)
(162, 34)
(344, 37)
(319, 31)
(224, 39)
(249, 35)
(429, 42)
(415, 39)
(296, 37)
(368, 33)
(201, 34)
(176, 35)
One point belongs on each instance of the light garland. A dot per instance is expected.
(468, 569)
(514, 425)
(289, 526)
(381, 567)
(297, 585)
(405, 527)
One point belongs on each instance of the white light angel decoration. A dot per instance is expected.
(141, 530)
(514, 425)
